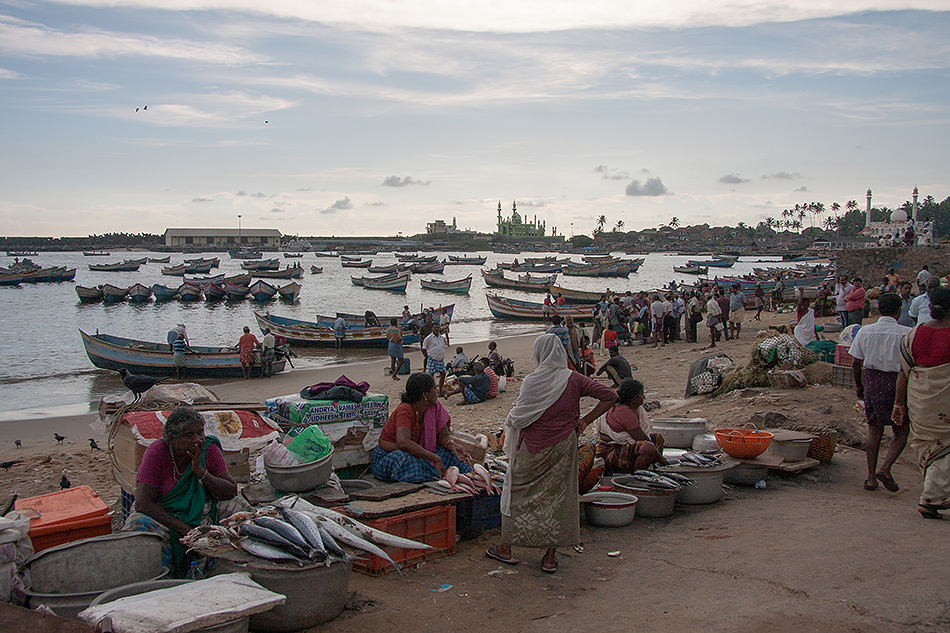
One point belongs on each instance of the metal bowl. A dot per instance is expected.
(678, 432)
(300, 478)
(792, 451)
(609, 509)
(650, 502)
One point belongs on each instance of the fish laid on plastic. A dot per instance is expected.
(338, 532)
(263, 550)
(364, 531)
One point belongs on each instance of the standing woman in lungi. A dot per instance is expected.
(539, 503)
(923, 391)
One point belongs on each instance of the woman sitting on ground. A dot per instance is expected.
(416, 445)
(624, 439)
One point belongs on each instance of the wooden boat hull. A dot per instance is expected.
(398, 284)
(320, 335)
(316, 270)
(500, 281)
(503, 308)
(157, 260)
(189, 292)
(143, 357)
(575, 296)
(690, 270)
(290, 292)
(462, 286)
(91, 253)
(357, 320)
(236, 292)
(164, 293)
(214, 291)
(713, 263)
(262, 291)
(89, 295)
(357, 264)
(471, 261)
(140, 293)
(112, 293)
(292, 272)
(123, 267)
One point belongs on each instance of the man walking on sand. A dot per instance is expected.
(736, 310)
(876, 351)
(433, 356)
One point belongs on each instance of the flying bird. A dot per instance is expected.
(266, 122)
(137, 109)
(18, 443)
(93, 445)
(64, 483)
(138, 384)
(59, 438)
(145, 108)
(6, 465)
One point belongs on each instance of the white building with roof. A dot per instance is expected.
(222, 238)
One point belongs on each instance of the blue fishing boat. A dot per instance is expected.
(164, 293)
(320, 334)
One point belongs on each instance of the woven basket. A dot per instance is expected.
(823, 446)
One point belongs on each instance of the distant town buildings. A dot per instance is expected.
(515, 227)
(439, 227)
(229, 238)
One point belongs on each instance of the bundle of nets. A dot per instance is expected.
(771, 349)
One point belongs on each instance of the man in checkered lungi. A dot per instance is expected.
(433, 355)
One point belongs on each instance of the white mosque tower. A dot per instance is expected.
(893, 227)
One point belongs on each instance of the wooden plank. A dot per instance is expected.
(264, 493)
(794, 467)
(13, 618)
(420, 500)
(388, 491)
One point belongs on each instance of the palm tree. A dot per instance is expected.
(771, 222)
(675, 222)
(831, 223)
(601, 221)
(619, 226)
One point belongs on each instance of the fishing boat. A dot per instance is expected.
(201, 261)
(394, 283)
(415, 258)
(145, 357)
(158, 260)
(214, 291)
(89, 295)
(245, 253)
(241, 280)
(316, 270)
(23, 253)
(611, 268)
(691, 270)
(750, 284)
(290, 292)
(291, 272)
(321, 334)
(164, 293)
(498, 280)
(124, 267)
(139, 293)
(139, 261)
(392, 268)
(359, 320)
(112, 293)
(68, 275)
(11, 279)
(575, 296)
(189, 292)
(91, 253)
(187, 269)
(260, 290)
(461, 286)
(201, 281)
(472, 261)
(236, 292)
(264, 264)
(712, 263)
(322, 254)
(504, 308)
(428, 267)
(356, 263)
(293, 255)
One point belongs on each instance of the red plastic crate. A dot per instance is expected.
(842, 357)
(432, 526)
(65, 516)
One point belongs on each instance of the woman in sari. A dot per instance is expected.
(416, 444)
(178, 483)
(923, 391)
(625, 442)
(539, 501)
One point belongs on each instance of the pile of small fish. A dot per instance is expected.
(479, 480)
(700, 460)
(664, 481)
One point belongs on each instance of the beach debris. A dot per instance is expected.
(501, 571)
(441, 589)
(614, 554)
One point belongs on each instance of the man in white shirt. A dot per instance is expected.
(876, 351)
(842, 288)
(920, 307)
(268, 344)
(433, 355)
(714, 320)
(922, 278)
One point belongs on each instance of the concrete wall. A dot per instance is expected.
(870, 264)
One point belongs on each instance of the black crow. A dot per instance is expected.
(138, 384)
(18, 443)
(93, 445)
(59, 438)
(6, 465)
(64, 483)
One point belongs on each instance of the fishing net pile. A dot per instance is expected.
(772, 349)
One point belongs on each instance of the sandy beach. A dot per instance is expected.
(813, 551)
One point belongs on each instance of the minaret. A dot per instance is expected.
(867, 223)
(499, 216)
(915, 206)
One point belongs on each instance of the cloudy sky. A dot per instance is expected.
(373, 117)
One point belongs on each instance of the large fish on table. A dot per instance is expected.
(359, 529)
(343, 535)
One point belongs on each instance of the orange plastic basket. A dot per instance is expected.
(743, 443)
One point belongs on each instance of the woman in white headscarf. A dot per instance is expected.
(539, 502)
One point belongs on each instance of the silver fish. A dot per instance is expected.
(331, 546)
(263, 550)
(286, 530)
(339, 533)
(272, 538)
(307, 528)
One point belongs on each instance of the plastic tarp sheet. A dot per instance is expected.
(236, 429)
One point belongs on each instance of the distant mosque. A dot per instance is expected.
(897, 225)
(516, 228)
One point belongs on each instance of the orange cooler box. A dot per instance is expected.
(65, 516)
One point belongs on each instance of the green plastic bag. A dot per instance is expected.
(311, 444)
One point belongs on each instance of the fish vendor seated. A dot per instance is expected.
(625, 442)
(415, 445)
(474, 389)
(182, 482)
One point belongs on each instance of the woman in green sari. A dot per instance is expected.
(181, 478)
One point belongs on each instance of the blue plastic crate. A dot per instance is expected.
(477, 514)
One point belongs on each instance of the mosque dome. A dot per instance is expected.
(899, 216)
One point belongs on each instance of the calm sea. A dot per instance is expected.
(46, 371)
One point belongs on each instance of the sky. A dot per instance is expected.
(372, 117)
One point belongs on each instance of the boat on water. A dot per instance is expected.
(606, 268)
(140, 260)
(88, 294)
(504, 308)
(112, 293)
(260, 290)
(394, 283)
(201, 261)
(461, 259)
(158, 260)
(293, 255)
(121, 267)
(291, 272)
(236, 292)
(139, 293)
(691, 270)
(91, 253)
(187, 269)
(359, 320)
(575, 296)
(245, 253)
(497, 279)
(359, 263)
(265, 264)
(436, 267)
(189, 292)
(460, 286)
(382, 270)
(768, 286)
(214, 291)
(322, 254)
(713, 263)
(145, 357)
(164, 293)
(321, 334)
(290, 292)
(316, 270)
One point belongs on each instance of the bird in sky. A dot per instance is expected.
(6, 465)
(18, 443)
(64, 483)
(137, 109)
(145, 108)
(59, 438)
(138, 384)
(266, 122)
(93, 445)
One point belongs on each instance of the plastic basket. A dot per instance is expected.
(842, 357)
(743, 443)
(474, 515)
(432, 526)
